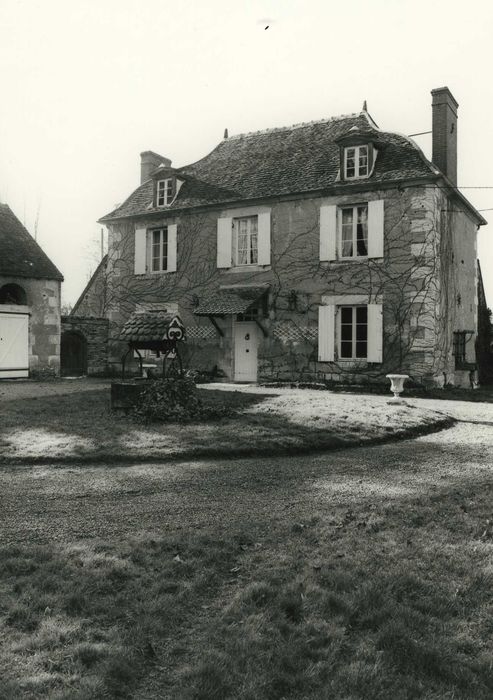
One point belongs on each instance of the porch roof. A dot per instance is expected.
(229, 300)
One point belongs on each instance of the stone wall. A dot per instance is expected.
(43, 305)
(95, 331)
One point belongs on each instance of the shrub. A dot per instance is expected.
(43, 374)
(176, 400)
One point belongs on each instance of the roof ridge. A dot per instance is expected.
(298, 125)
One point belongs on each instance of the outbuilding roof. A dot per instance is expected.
(20, 255)
(296, 159)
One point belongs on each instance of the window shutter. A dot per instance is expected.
(328, 232)
(375, 333)
(326, 332)
(224, 241)
(264, 238)
(375, 228)
(172, 248)
(140, 251)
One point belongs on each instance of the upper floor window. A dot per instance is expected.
(164, 192)
(159, 250)
(354, 232)
(356, 162)
(246, 240)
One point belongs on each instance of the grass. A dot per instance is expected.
(80, 425)
(366, 576)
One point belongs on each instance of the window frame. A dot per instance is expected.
(354, 339)
(164, 194)
(161, 230)
(249, 249)
(358, 152)
(354, 208)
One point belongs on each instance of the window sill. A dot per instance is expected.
(247, 268)
(358, 261)
(153, 274)
(353, 363)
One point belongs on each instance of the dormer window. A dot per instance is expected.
(356, 162)
(164, 194)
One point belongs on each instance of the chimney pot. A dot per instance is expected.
(150, 161)
(444, 132)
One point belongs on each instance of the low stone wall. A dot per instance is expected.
(95, 332)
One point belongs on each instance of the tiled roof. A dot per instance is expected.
(20, 255)
(296, 159)
(147, 327)
(229, 300)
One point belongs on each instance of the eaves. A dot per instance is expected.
(333, 190)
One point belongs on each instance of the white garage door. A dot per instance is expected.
(14, 345)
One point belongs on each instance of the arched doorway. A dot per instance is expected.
(73, 354)
(13, 294)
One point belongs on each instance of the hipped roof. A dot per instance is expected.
(297, 159)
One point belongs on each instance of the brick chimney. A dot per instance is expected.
(149, 161)
(444, 110)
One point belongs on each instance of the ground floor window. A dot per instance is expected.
(460, 349)
(353, 332)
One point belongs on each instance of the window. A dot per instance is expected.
(353, 332)
(354, 232)
(164, 192)
(246, 240)
(460, 349)
(159, 250)
(356, 162)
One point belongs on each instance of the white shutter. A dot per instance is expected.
(326, 332)
(171, 248)
(140, 251)
(375, 228)
(264, 238)
(328, 232)
(224, 241)
(375, 333)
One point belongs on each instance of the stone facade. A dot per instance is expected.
(429, 263)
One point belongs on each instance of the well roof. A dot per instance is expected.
(150, 326)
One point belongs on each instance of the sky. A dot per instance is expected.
(87, 86)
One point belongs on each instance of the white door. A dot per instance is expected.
(246, 343)
(14, 345)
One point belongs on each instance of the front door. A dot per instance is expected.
(246, 343)
(14, 345)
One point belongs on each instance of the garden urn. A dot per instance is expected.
(397, 387)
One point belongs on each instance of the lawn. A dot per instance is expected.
(80, 425)
(365, 573)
